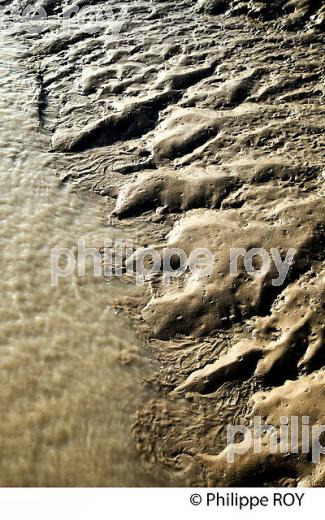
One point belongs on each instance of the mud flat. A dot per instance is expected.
(201, 124)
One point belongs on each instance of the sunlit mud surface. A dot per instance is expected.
(200, 123)
(66, 399)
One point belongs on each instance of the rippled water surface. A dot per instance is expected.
(66, 401)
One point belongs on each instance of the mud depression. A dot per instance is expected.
(186, 124)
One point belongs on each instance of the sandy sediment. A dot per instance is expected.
(202, 124)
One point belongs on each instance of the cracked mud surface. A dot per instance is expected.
(202, 124)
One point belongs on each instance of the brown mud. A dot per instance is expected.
(201, 123)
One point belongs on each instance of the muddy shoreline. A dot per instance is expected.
(201, 124)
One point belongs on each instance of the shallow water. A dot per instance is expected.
(66, 401)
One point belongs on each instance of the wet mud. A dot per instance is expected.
(201, 124)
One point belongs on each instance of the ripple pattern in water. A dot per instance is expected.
(66, 402)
